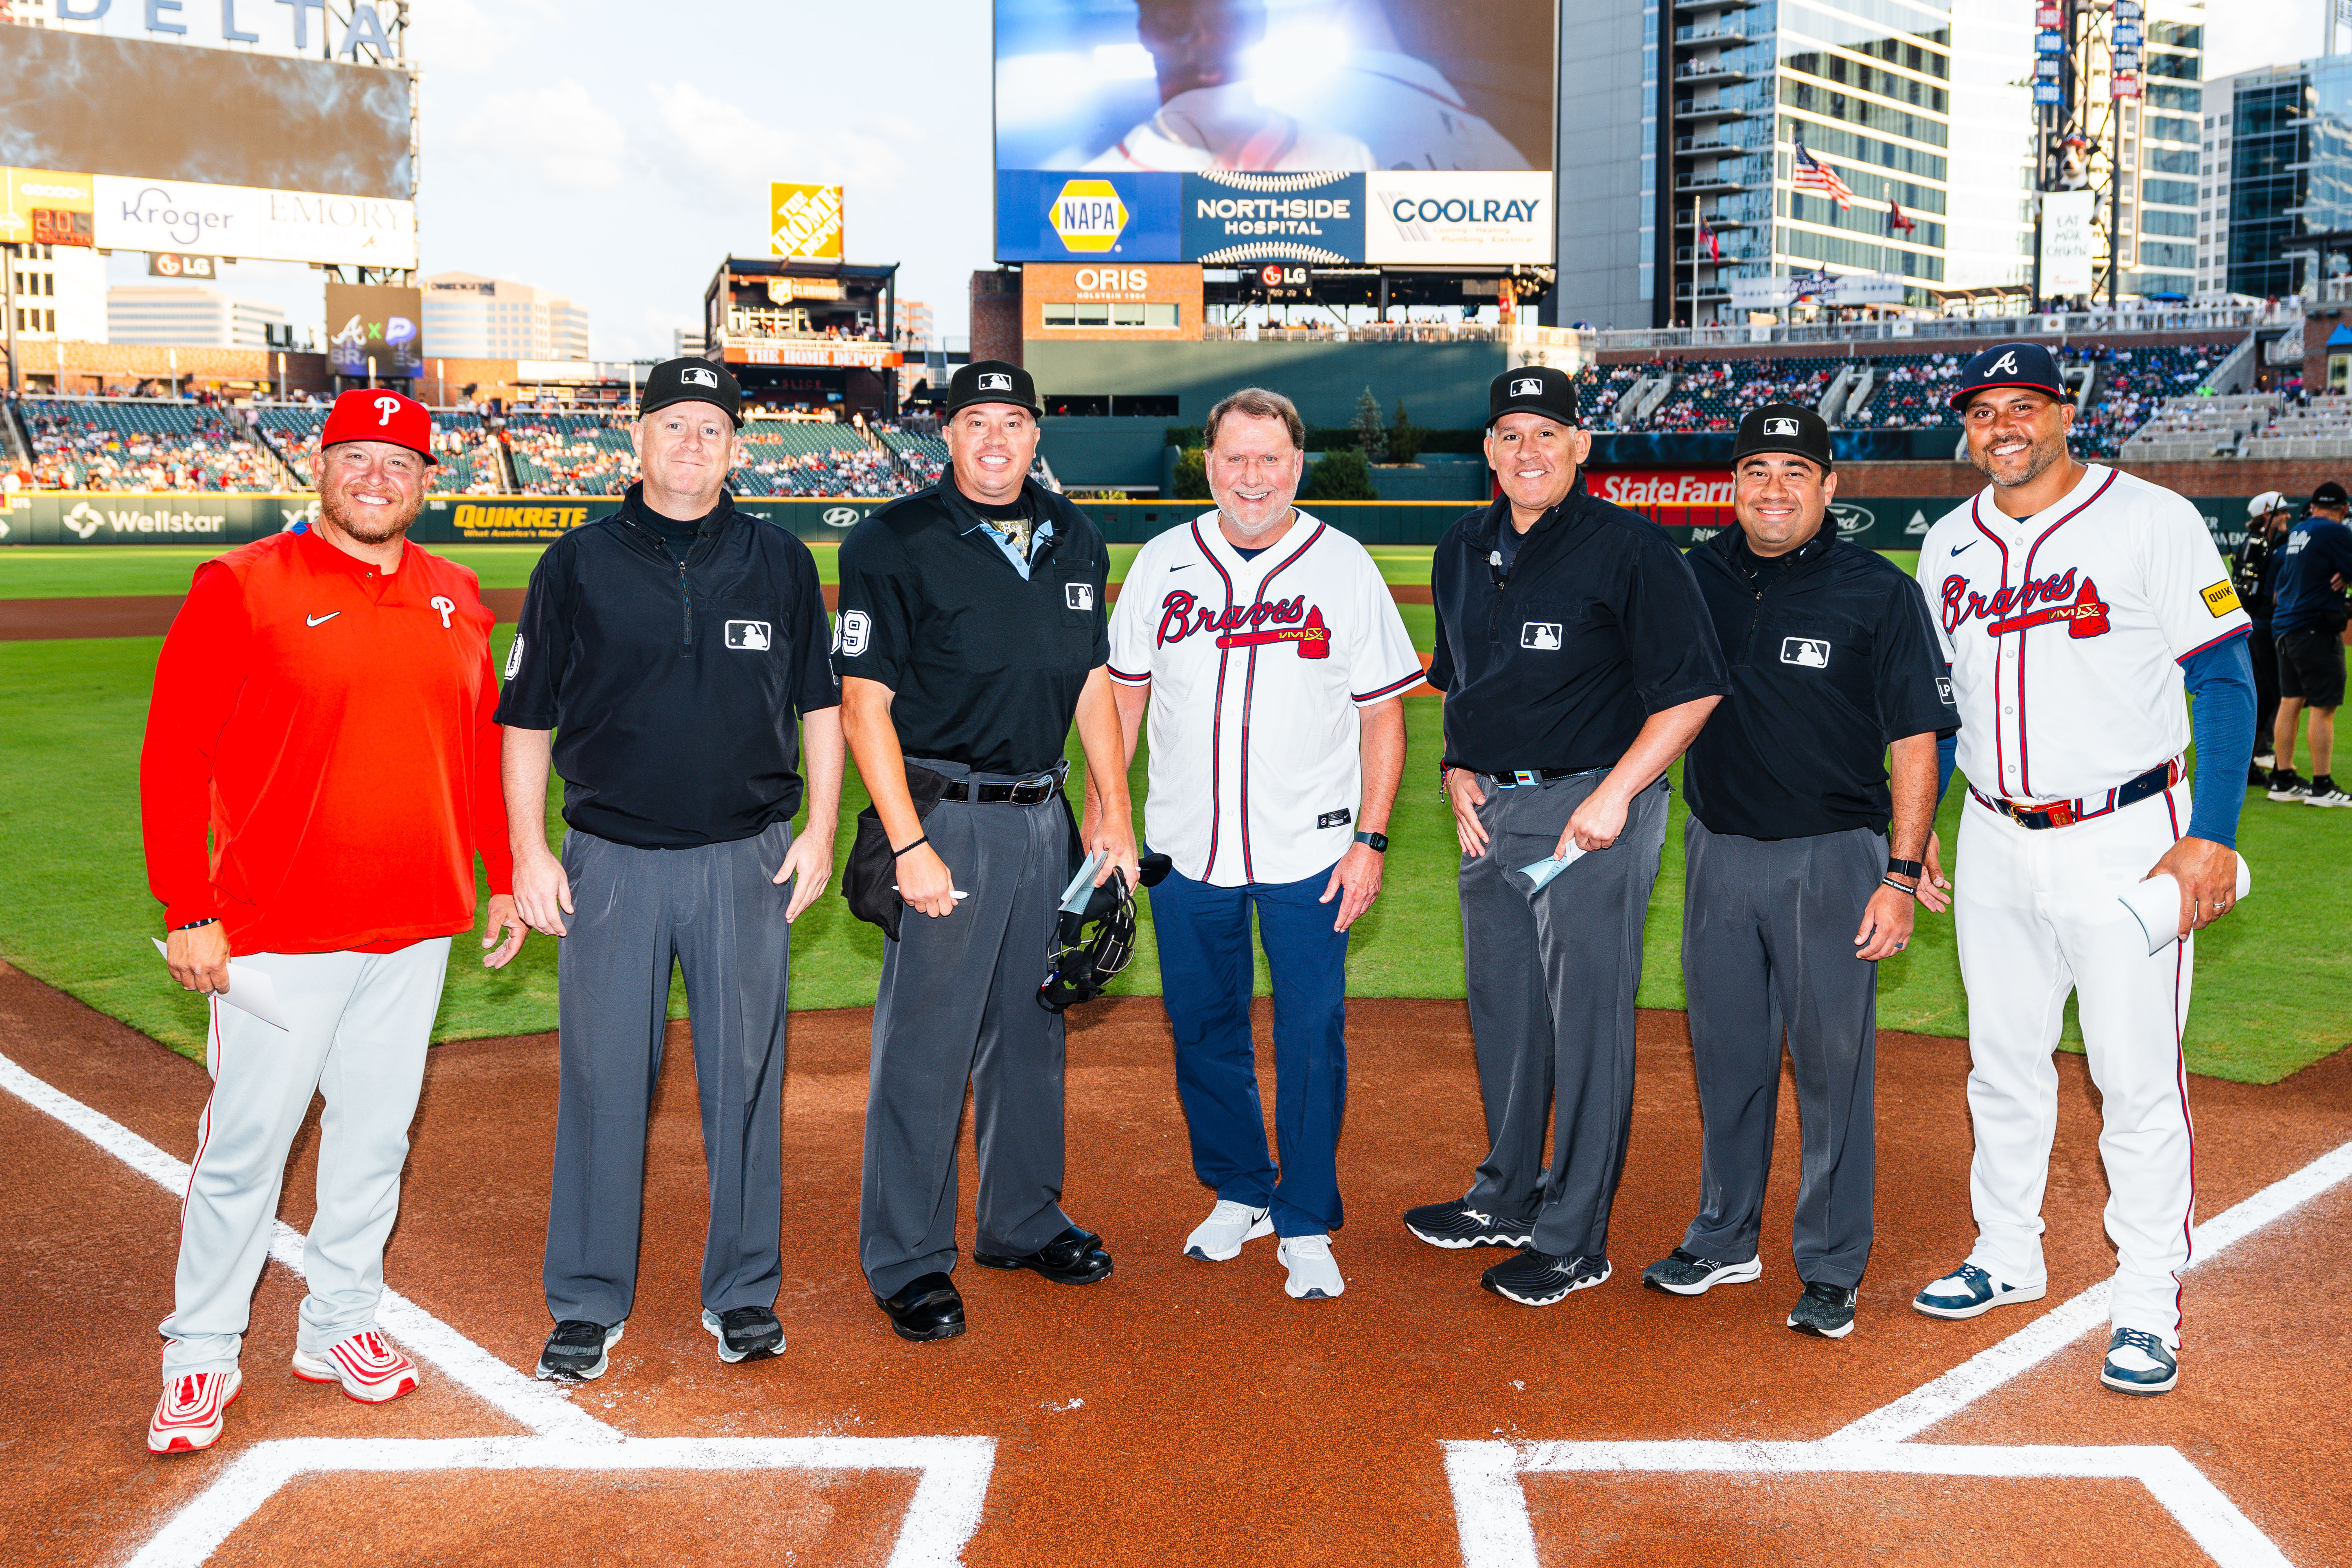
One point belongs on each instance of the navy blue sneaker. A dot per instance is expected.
(2139, 1363)
(1969, 1291)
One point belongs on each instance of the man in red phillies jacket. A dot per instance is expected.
(323, 706)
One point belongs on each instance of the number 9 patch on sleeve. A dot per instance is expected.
(2220, 598)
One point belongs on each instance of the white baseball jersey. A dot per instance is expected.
(1256, 669)
(2066, 632)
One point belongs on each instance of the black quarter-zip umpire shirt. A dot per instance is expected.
(673, 686)
(1559, 661)
(985, 669)
(1831, 659)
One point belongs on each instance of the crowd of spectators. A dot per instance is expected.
(1913, 393)
(570, 453)
(116, 444)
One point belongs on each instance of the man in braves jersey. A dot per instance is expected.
(1272, 661)
(322, 707)
(2075, 602)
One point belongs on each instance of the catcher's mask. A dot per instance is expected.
(1093, 944)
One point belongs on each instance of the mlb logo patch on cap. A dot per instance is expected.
(1786, 430)
(1780, 426)
(996, 384)
(1527, 386)
(699, 377)
(1538, 389)
(691, 380)
(991, 381)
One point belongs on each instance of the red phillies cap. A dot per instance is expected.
(363, 415)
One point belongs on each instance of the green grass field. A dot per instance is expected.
(74, 908)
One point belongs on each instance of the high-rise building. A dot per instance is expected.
(190, 315)
(1690, 113)
(2278, 157)
(467, 316)
(915, 328)
(60, 293)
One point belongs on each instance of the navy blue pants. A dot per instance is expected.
(1205, 972)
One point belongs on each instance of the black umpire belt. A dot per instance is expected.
(1030, 792)
(1528, 778)
(2066, 813)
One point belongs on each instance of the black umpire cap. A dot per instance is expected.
(1532, 389)
(991, 381)
(2027, 366)
(1788, 428)
(691, 380)
(2330, 493)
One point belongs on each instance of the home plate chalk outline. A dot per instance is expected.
(954, 1472)
(1490, 1502)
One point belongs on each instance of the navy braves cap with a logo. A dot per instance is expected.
(1532, 389)
(691, 380)
(991, 381)
(2027, 366)
(1788, 428)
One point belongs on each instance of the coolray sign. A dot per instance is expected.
(1274, 218)
(1434, 216)
(1637, 488)
(1057, 215)
(242, 221)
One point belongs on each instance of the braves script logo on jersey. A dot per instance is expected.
(2011, 610)
(1293, 620)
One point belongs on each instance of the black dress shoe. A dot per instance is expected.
(925, 1309)
(1073, 1257)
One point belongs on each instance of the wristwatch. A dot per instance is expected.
(1379, 841)
(1904, 868)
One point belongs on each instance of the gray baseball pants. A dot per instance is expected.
(1768, 946)
(1551, 976)
(958, 1005)
(714, 910)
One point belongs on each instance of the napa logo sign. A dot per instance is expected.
(1052, 214)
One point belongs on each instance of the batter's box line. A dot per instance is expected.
(953, 1478)
(1490, 1503)
(1490, 1506)
(940, 1519)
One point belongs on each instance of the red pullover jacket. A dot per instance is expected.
(331, 724)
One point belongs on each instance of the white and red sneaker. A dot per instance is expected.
(189, 1416)
(371, 1371)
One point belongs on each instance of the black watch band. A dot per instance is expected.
(1379, 841)
(1905, 868)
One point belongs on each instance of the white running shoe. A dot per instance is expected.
(2331, 795)
(1314, 1273)
(1228, 1226)
(371, 1371)
(189, 1417)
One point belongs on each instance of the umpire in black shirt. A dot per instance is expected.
(671, 645)
(973, 629)
(1788, 897)
(1577, 662)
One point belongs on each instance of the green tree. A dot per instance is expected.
(1192, 480)
(1371, 436)
(1342, 475)
(1404, 438)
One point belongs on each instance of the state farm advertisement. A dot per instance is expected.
(1640, 488)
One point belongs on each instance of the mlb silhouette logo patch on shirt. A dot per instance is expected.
(1078, 595)
(751, 635)
(1810, 652)
(1539, 634)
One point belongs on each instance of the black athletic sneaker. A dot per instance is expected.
(1682, 1273)
(2325, 791)
(1456, 1225)
(744, 1332)
(2286, 786)
(1538, 1278)
(1825, 1311)
(576, 1350)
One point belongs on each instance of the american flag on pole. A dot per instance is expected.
(1812, 174)
(1897, 221)
(1714, 244)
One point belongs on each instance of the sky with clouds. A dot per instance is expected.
(615, 152)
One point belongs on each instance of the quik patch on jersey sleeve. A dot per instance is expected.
(2220, 598)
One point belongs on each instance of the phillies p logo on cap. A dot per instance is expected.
(361, 414)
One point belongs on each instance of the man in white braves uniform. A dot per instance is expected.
(2075, 603)
(1274, 663)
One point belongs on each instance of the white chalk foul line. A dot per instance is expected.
(1490, 1505)
(941, 1518)
(2047, 1335)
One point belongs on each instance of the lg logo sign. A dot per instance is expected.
(1275, 276)
(1112, 279)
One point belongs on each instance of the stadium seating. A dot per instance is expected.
(469, 460)
(2319, 428)
(1600, 388)
(2191, 429)
(121, 443)
(570, 453)
(1910, 392)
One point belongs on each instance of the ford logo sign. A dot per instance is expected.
(1852, 519)
(840, 516)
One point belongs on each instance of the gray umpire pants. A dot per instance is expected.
(1551, 976)
(1768, 946)
(958, 1005)
(714, 909)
